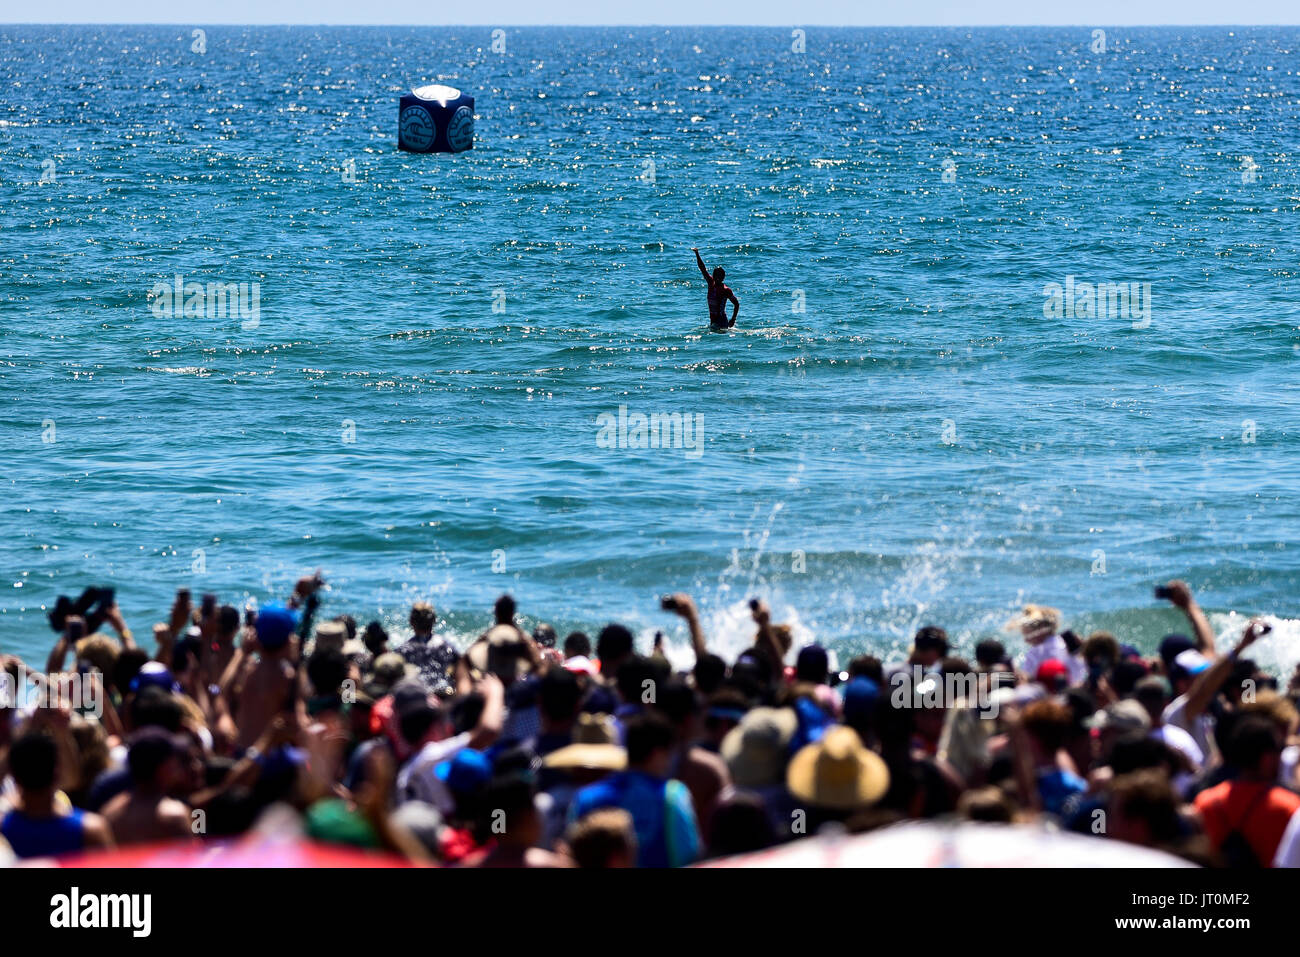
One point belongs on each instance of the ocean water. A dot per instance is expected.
(899, 430)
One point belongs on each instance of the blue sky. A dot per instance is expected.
(757, 12)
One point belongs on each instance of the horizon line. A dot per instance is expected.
(498, 24)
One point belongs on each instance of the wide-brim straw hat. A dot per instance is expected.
(1036, 619)
(593, 747)
(506, 640)
(838, 772)
(757, 748)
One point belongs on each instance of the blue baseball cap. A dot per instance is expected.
(154, 674)
(468, 771)
(275, 625)
(860, 696)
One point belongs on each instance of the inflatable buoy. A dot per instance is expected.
(436, 119)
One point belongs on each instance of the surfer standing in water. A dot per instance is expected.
(719, 293)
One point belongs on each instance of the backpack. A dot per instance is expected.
(1236, 848)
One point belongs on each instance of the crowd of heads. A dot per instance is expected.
(523, 749)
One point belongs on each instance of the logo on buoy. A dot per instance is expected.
(416, 128)
(460, 130)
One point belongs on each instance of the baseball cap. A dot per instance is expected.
(468, 771)
(1052, 672)
(1191, 662)
(275, 625)
(1125, 715)
(154, 674)
(1171, 646)
(860, 697)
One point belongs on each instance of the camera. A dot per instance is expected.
(93, 605)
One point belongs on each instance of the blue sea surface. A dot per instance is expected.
(898, 430)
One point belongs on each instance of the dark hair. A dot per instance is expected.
(466, 711)
(931, 638)
(1242, 671)
(1125, 675)
(710, 671)
(1137, 751)
(559, 694)
(415, 724)
(504, 609)
(989, 804)
(635, 672)
(719, 273)
(990, 652)
(812, 664)
(227, 619)
(327, 668)
(751, 676)
(150, 750)
(1149, 796)
(1101, 647)
(128, 665)
(1049, 722)
(601, 835)
(376, 639)
(184, 651)
(153, 707)
(577, 645)
(677, 701)
(740, 824)
(613, 642)
(954, 665)
(33, 759)
(645, 734)
(511, 794)
(867, 666)
(725, 699)
(1251, 738)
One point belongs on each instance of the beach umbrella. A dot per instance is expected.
(254, 852)
(954, 844)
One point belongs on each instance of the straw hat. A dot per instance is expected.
(1035, 620)
(755, 750)
(500, 648)
(330, 636)
(593, 747)
(838, 772)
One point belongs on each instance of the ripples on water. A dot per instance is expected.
(919, 438)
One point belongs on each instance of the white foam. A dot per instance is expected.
(1278, 652)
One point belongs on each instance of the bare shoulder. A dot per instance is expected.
(97, 830)
(709, 763)
(114, 806)
(175, 813)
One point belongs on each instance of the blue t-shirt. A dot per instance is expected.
(1058, 786)
(662, 814)
(44, 836)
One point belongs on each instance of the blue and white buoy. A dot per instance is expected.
(436, 119)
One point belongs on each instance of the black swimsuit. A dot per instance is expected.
(717, 305)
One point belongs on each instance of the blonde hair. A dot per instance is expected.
(601, 835)
(1276, 708)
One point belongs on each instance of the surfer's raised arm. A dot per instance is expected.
(700, 262)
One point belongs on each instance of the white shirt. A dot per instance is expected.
(1180, 740)
(1053, 647)
(1201, 728)
(1288, 849)
(417, 780)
